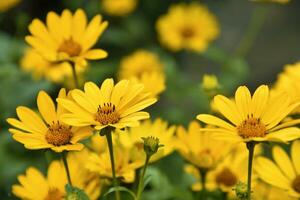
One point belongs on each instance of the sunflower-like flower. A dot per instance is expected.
(253, 118)
(34, 185)
(119, 7)
(131, 139)
(187, 26)
(67, 37)
(8, 4)
(48, 132)
(287, 81)
(284, 173)
(199, 147)
(116, 105)
(145, 67)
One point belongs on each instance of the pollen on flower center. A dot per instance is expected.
(58, 134)
(70, 47)
(54, 194)
(251, 127)
(107, 114)
(187, 32)
(296, 184)
(226, 177)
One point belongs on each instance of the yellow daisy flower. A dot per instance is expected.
(125, 168)
(39, 67)
(34, 185)
(131, 139)
(49, 131)
(253, 118)
(187, 26)
(116, 105)
(199, 147)
(268, 192)
(284, 172)
(8, 4)
(119, 7)
(145, 67)
(287, 81)
(67, 37)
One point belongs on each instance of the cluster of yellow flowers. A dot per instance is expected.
(102, 123)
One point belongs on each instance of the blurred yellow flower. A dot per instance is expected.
(145, 67)
(272, 1)
(187, 26)
(199, 147)
(8, 4)
(283, 172)
(49, 131)
(39, 67)
(67, 37)
(124, 166)
(34, 185)
(116, 105)
(119, 7)
(209, 82)
(131, 139)
(268, 192)
(253, 118)
(288, 81)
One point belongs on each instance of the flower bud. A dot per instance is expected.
(151, 145)
(241, 190)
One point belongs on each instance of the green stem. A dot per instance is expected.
(202, 193)
(250, 147)
(111, 154)
(141, 181)
(256, 22)
(74, 74)
(64, 158)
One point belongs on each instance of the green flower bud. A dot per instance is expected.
(151, 145)
(241, 191)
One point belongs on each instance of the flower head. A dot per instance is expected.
(34, 185)
(67, 37)
(187, 26)
(119, 7)
(284, 173)
(115, 105)
(145, 67)
(49, 131)
(253, 118)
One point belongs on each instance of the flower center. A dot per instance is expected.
(205, 159)
(187, 32)
(58, 134)
(296, 184)
(54, 194)
(226, 177)
(251, 127)
(107, 114)
(70, 47)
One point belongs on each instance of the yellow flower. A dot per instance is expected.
(187, 26)
(272, 1)
(34, 185)
(268, 192)
(287, 81)
(124, 166)
(39, 67)
(284, 172)
(8, 4)
(210, 82)
(119, 7)
(67, 37)
(253, 118)
(112, 105)
(199, 148)
(131, 139)
(145, 67)
(48, 132)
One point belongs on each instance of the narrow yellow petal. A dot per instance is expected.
(295, 150)
(284, 162)
(46, 107)
(212, 120)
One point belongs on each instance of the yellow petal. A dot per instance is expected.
(46, 107)
(95, 54)
(284, 162)
(243, 101)
(228, 109)
(106, 89)
(287, 134)
(295, 150)
(259, 100)
(212, 120)
(79, 23)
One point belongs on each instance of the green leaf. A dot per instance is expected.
(121, 189)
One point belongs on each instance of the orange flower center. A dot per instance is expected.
(70, 47)
(296, 184)
(107, 114)
(58, 134)
(187, 32)
(251, 127)
(54, 194)
(226, 177)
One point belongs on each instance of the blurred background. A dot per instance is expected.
(272, 32)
